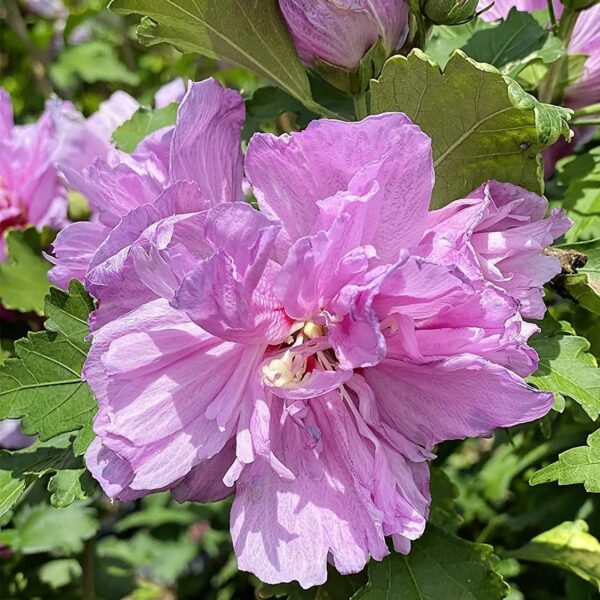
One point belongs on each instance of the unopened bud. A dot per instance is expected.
(336, 37)
(450, 12)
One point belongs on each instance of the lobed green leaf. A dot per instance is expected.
(567, 368)
(24, 276)
(439, 565)
(568, 546)
(482, 125)
(577, 465)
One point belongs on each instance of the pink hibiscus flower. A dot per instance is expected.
(308, 356)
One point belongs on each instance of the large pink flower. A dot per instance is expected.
(307, 356)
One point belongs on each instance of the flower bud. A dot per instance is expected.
(340, 33)
(450, 12)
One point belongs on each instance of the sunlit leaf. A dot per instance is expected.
(568, 546)
(24, 276)
(567, 368)
(143, 123)
(577, 465)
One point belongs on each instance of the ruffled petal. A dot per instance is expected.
(73, 250)
(229, 293)
(290, 174)
(454, 398)
(169, 393)
(207, 142)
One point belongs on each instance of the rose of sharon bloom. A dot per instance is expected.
(76, 243)
(301, 357)
(341, 32)
(32, 190)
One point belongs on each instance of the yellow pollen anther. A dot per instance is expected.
(311, 330)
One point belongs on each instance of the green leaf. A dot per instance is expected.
(90, 62)
(518, 36)
(439, 565)
(577, 465)
(568, 546)
(163, 559)
(24, 277)
(11, 490)
(155, 516)
(580, 175)
(61, 572)
(69, 485)
(247, 33)
(143, 123)
(42, 528)
(68, 312)
(43, 384)
(567, 368)
(18, 470)
(444, 40)
(532, 69)
(443, 512)
(482, 126)
(584, 286)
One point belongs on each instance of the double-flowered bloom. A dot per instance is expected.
(32, 189)
(308, 356)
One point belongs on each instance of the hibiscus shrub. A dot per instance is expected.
(300, 299)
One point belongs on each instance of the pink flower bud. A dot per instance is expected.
(341, 32)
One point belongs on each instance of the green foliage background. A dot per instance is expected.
(516, 516)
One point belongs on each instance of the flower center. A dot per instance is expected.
(286, 371)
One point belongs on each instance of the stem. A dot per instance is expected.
(40, 61)
(584, 122)
(88, 566)
(552, 15)
(592, 109)
(565, 31)
(360, 106)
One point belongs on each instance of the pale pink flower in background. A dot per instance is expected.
(11, 436)
(32, 189)
(49, 9)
